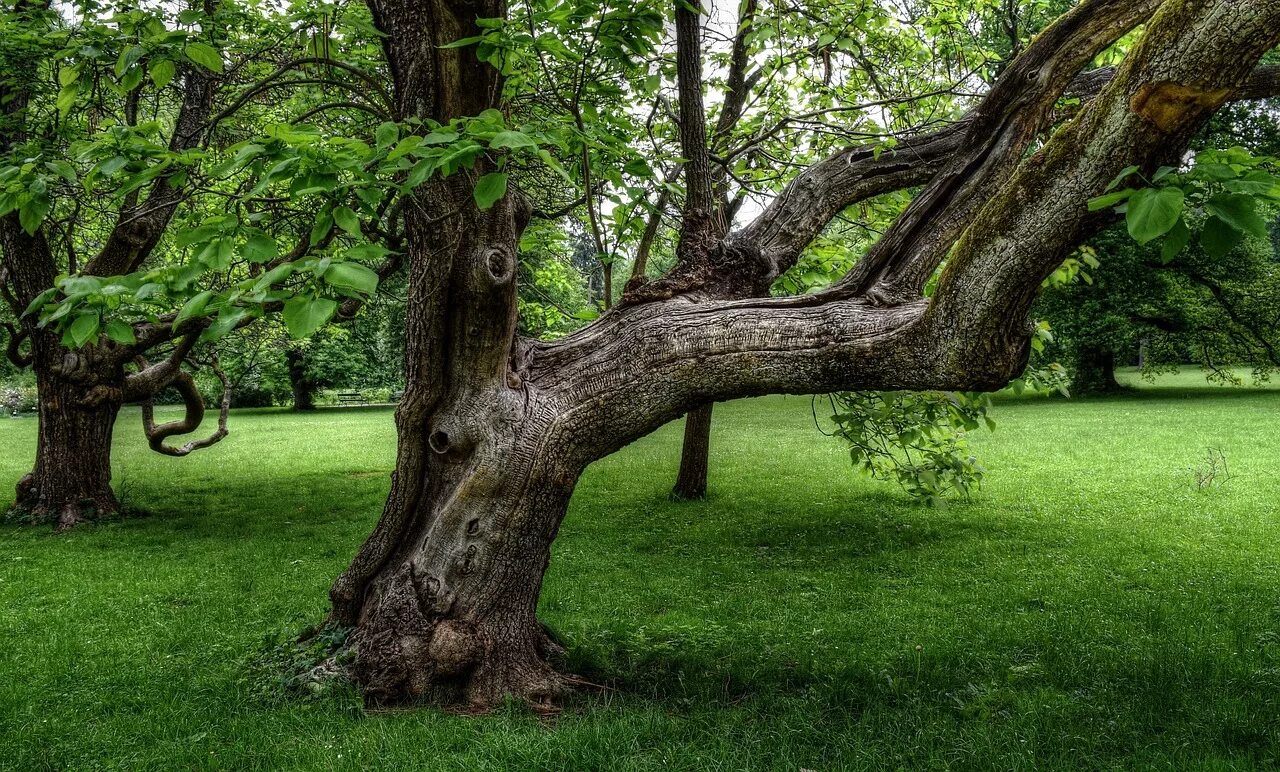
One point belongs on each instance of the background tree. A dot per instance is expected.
(139, 216)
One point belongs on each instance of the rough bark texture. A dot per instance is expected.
(494, 431)
(695, 455)
(71, 480)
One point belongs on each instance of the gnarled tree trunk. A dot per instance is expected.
(494, 431)
(79, 398)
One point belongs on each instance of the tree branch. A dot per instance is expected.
(135, 235)
(194, 404)
(13, 350)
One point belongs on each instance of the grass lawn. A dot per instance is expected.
(1088, 608)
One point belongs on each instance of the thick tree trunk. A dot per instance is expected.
(450, 618)
(1095, 371)
(71, 481)
(691, 483)
(302, 386)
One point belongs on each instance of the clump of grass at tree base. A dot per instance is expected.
(1089, 606)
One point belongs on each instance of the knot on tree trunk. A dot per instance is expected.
(727, 270)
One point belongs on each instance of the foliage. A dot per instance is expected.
(1220, 193)
(917, 439)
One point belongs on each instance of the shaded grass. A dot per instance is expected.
(1090, 607)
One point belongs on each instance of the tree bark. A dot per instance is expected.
(302, 386)
(70, 483)
(691, 482)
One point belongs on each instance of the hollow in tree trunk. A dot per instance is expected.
(691, 483)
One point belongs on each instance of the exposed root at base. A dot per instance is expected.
(63, 517)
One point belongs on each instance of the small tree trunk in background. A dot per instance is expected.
(1095, 371)
(691, 483)
(303, 387)
(71, 480)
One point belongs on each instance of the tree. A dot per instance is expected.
(1208, 304)
(495, 430)
(119, 153)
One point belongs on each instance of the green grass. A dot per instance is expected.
(1089, 608)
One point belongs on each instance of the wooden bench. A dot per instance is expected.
(350, 398)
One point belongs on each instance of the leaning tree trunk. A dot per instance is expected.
(691, 482)
(78, 403)
(494, 432)
(442, 596)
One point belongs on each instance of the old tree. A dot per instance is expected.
(439, 604)
(495, 430)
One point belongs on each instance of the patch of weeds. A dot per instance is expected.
(313, 665)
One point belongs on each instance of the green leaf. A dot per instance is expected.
(260, 248)
(1153, 212)
(1238, 211)
(460, 43)
(367, 252)
(303, 316)
(386, 134)
(67, 97)
(347, 220)
(1110, 200)
(192, 308)
(324, 224)
(41, 301)
(225, 323)
(127, 58)
(162, 72)
(1125, 172)
(352, 276)
(1175, 242)
(204, 55)
(490, 188)
(82, 330)
(1218, 238)
(511, 139)
(121, 332)
(32, 213)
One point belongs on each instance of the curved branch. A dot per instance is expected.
(186, 386)
(151, 380)
(813, 199)
(269, 82)
(370, 109)
(14, 348)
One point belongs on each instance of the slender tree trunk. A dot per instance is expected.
(71, 481)
(691, 483)
(302, 386)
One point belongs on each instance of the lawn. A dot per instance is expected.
(1089, 607)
